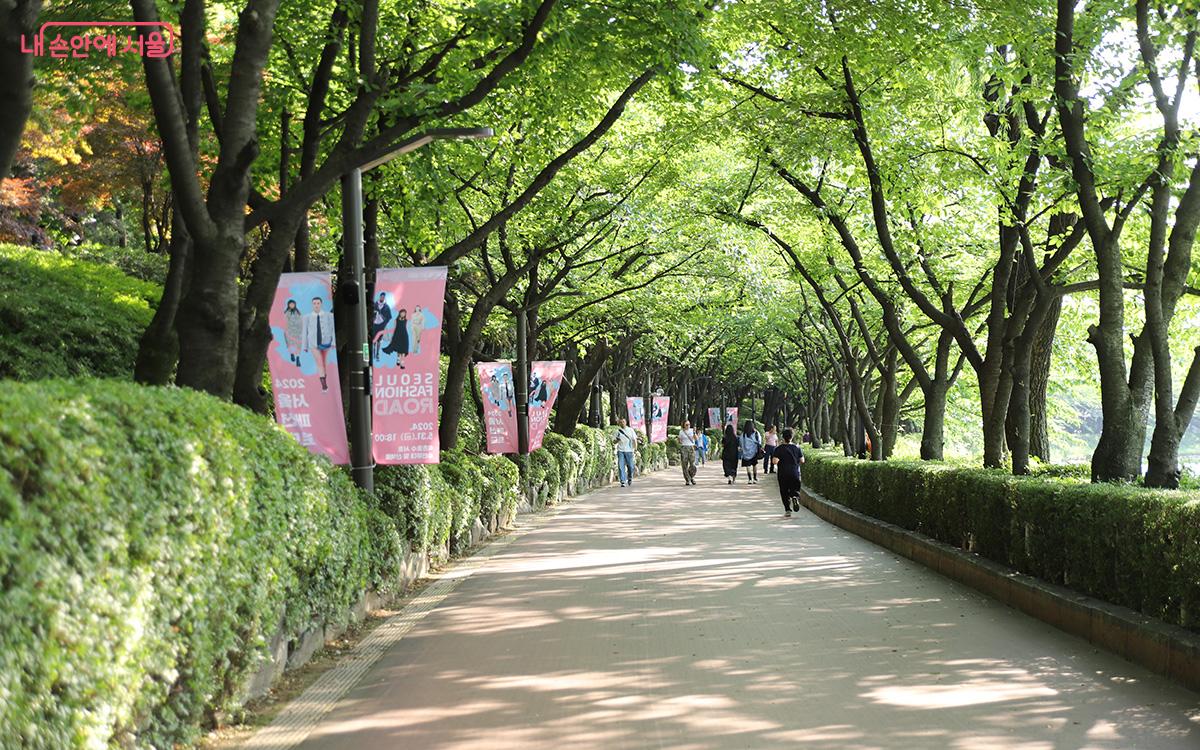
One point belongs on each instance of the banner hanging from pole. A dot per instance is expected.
(406, 341)
(660, 407)
(714, 418)
(544, 381)
(303, 363)
(731, 415)
(499, 406)
(637, 412)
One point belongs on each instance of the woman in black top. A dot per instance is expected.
(787, 459)
(730, 453)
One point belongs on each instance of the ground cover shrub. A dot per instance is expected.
(1124, 544)
(131, 261)
(62, 317)
(151, 541)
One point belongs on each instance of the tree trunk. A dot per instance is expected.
(1025, 325)
(1039, 379)
(207, 320)
(934, 424)
(889, 420)
(16, 76)
(158, 348)
(571, 401)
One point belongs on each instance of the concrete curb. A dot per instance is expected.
(1166, 649)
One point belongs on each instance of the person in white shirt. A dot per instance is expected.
(626, 441)
(687, 452)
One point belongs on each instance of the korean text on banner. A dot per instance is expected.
(660, 407)
(303, 362)
(498, 390)
(544, 380)
(714, 418)
(406, 340)
(637, 412)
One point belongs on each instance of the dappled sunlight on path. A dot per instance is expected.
(699, 618)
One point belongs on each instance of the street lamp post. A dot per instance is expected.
(362, 466)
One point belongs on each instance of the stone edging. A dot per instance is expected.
(1167, 649)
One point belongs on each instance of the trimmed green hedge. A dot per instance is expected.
(63, 317)
(598, 460)
(151, 539)
(1128, 545)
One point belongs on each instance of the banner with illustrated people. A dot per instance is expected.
(731, 416)
(714, 418)
(544, 381)
(499, 406)
(660, 406)
(637, 412)
(406, 341)
(303, 362)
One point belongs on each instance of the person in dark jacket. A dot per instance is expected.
(787, 459)
(379, 324)
(730, 453)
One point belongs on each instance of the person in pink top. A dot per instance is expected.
(770, 442)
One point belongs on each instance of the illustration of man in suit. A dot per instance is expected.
(318, 337)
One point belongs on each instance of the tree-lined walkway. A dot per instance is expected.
(697, 617)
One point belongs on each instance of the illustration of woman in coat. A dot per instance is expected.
(293, 330)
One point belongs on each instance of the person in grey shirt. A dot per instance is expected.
(687, 452)
(626, 441)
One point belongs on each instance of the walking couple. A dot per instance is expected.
(747, 448)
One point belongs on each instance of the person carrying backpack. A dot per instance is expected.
(787, 460)
(750, 448)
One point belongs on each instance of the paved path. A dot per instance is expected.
(696, 618)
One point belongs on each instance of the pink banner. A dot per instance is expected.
(406, 340)
(731, 416)
(499, 406)
(544, 381)
(714, 417)
(636, 408)
(660, 407)
(303, 363)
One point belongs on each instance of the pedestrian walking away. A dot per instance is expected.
(729, 454)
(787, 460)
(750, 448)
(770, 441)
(687, 452)
(626, 441)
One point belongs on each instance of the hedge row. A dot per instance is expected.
(1128, 545)
(153, 540)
